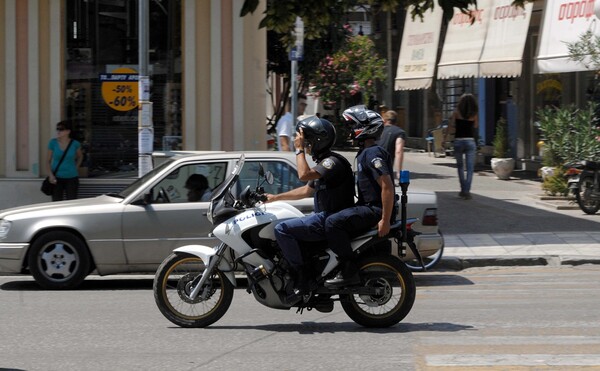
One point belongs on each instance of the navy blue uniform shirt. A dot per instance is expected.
(335, 189)
(373, 162)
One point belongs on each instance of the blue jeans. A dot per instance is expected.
(466, 148)
(289, 232)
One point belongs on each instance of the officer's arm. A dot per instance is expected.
(387, 200)
(294, 194)
(399, 155)
(305, 173)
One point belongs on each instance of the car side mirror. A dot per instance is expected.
(143, 201)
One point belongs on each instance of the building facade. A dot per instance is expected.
(78, 60)
(514, 60)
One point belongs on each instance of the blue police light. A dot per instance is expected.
(405, 177)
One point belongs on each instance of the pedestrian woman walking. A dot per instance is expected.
(66, 176)
(463, 124)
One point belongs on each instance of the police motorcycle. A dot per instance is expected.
(194, 286)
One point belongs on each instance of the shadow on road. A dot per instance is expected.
(309, 328)
(424, 279)
(88, 285)
(107, 284)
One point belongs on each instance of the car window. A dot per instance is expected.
(209, 174)
(285, 176)
(137, 183)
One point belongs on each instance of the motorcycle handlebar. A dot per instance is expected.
(250, 198)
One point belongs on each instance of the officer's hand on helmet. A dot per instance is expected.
(299, 139)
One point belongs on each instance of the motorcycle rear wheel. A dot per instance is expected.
(173, 285)
(396, 301)
(584, 196)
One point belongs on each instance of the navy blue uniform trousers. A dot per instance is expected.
(337, 228)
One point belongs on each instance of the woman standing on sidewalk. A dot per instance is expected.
(66, 177)
(463, 125)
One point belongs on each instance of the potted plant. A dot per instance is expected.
(502, 164)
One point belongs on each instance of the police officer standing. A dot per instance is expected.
(331, 182)
(376, 195)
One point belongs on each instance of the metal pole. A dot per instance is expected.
(293, 90)
(390, 81)
(145, 127)
(143, 37)
(298, 55)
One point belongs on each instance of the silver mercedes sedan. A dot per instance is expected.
(61, 243)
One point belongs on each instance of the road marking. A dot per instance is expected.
(513, 360)
(511, 340)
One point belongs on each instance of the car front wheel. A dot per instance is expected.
(59, 260)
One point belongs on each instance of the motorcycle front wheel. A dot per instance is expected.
(586, 202)
(173, 284)
(395, 300)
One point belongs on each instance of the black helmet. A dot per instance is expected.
(319, 134)
(365, 123)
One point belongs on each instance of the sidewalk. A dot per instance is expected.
(507, 222)
(544, 248)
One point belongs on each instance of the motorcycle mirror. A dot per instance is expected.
(269, 177)
(261, 170)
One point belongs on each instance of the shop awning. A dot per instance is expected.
(464, 43)
(564, 21)
(505, 40)
(418, 51)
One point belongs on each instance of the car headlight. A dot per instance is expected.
(4, 228)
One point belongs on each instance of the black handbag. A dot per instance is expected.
(47, 187)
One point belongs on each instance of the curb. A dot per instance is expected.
(456, 264)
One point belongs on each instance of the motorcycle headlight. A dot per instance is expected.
(4, 228)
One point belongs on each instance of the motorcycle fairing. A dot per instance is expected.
(266, 215)
(206, 253)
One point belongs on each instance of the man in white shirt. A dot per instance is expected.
(286, 126)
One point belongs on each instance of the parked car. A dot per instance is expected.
(132, 231)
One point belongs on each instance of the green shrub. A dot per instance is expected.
(569, 134)
(500, 142)
(556, 184)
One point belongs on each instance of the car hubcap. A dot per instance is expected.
(58, 260)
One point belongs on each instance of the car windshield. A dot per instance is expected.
(135, 185)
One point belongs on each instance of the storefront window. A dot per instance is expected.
(101, 80)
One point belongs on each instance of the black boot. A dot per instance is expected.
(347, 276)
(301, 286)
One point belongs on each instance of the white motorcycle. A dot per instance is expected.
(194, 286)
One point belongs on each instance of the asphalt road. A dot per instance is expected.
(501, 319)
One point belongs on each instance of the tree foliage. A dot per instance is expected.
(318, 15)
(586, 50)
(349, 72)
